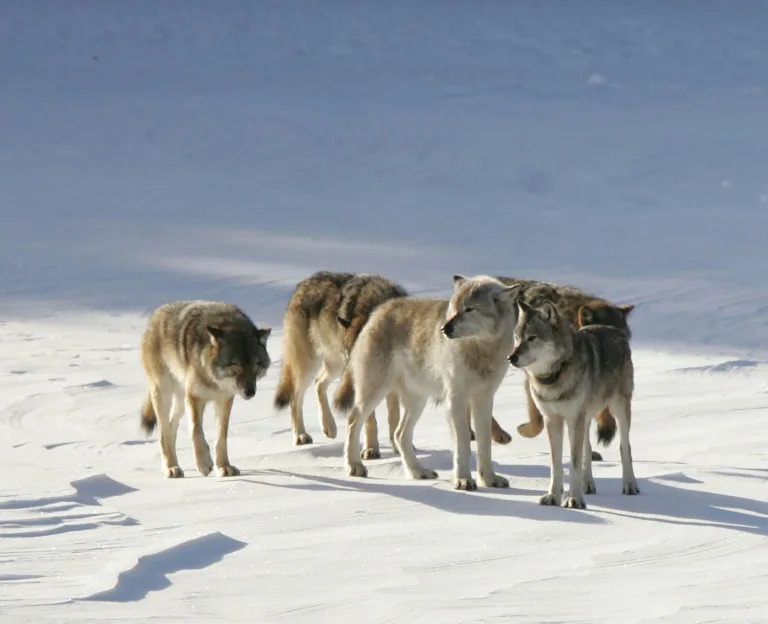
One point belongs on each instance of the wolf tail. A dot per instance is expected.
(344, 399)
(606, 427)
(148, 416)
(286, 388)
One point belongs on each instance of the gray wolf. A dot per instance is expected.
(324, 317)
(194, 352)
(447, 350)
(571, 374)
(579, 308)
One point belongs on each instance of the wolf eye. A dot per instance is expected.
(468, 310)
(531, 338)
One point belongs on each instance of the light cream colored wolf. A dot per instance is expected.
(195, 352)
(574, 374)
(453, 351)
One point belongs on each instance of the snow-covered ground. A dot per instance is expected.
(152, 151)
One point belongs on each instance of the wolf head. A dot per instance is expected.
(480, 308)
(599, 312)
(239, 357)
(542, 338)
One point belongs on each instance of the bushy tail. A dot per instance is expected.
(286, 388)
(148, 416)
(344, 399)
(606, 427)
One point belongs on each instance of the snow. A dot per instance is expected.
(154, 151)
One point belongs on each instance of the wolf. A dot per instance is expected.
(447, 350)
(573, 373)
(579, 308)
(194, 352)
(323, 319)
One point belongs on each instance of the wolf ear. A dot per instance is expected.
(586, 316)
(458, 279)
(345, 323)
(523, 308)
(215, 333)
(263, 335)
(508, 294)
(626, 309)
(549, 311)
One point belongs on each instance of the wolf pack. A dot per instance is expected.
(383, 345)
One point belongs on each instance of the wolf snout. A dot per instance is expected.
(514, 358)
(249, 391)
(447, 329)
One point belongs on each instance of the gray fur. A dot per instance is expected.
(573, 374)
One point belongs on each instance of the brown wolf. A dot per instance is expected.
(195, 352)
(325, 314)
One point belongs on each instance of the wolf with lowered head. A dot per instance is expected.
(195, 352)
(446, 350)
(573, 374)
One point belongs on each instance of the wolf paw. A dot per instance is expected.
(357, 470)
(495, 481)
(204, 464)
(302, 439)
(228, 471)
(174, 472)
(468, 484)
(550, 499)
(329, 430)
(596, 456)
(424, 473)
(589, 486)
(575, 502)
(370, 453)
(630, 487)
(501, 437)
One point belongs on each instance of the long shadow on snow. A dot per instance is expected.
(660, 502)
(452, 501)
(150, 573)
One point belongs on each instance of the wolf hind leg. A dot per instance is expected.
(324, 378)
(161, 398)
(621, 408)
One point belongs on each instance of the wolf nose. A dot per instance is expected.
(447, 329)
(249, 392)
(513, 358)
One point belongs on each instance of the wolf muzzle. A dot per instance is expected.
(514, 357)
(447, 329)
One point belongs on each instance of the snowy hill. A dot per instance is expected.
(153, 151)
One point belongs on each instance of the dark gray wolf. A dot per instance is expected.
(572, 374)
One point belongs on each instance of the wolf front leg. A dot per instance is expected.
(554, 426)
(413, 406)
(462, 452)
(195, 408)
(223, 410)
(577, 429)
(482, 413)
